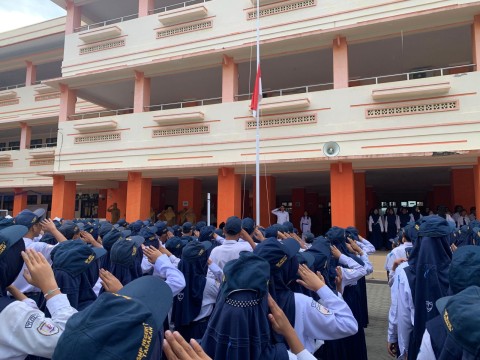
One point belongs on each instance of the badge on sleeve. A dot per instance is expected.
(47, 329)
(31, 320)
(320, 308)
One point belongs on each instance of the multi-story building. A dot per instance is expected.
(151, 102)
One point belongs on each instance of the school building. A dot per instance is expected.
(146, 103)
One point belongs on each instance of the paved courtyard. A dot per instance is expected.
(376, 332)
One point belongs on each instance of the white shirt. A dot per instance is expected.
(397, 223)
(305, 224)
(426, 350)
(366, 246)
(229, 250)
(393, 311)
(210, 292)
(406, 311)
(25, 329)
(20, 283)
(397, 253)
(328, 319)
(174, 278)
(371, 223)
(354, 272)
(461, 219)
(282, 216)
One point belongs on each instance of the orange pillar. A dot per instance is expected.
(25, 136)
(298, 207)
(145, 7)
(463, 192)
(190, 195)
(476, 185)
(63, 197)
(119, 196)
(229, 201)
(142, 92)
(68, 99)
(19, 200)
(139, 195)
(229, 79)
(340, 63)
(102, 204)
(360, 201)
(342, 190)
(476, 41)
(74, 17)
(31, 75)
(268, 201)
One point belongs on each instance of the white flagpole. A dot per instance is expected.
(257, 114)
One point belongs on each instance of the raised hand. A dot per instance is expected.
(176, 348)
(310, 280)
(109, 282)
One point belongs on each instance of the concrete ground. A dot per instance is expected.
(378, 294)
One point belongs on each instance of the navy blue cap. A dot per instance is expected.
(111, 238)
(288, 226)
(248, 272)
(335, 234)
(177, 230)
(49, 239)
(104, 229)
(75, 257)
(206, 233)
(461, 316)
(275, 252)
(161, 228)
(9, 236)
(464, 268)
(149, 234)
(233, 225)
(352, 232)
(248, 225)
(410, 231)
(136, 226)
(200, 225)
(118, 326)
(187, 227)
(306, 258)
(27, 218)
(6, 222)
(122, 223)
(195, 250)
(271, 231)
(219, 232)
(435, 226)
(124, 251)
(175, 245)
(308, 236)
(69, 230)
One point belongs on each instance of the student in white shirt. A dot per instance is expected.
(281, 214)
(24, 328)
(305, 223)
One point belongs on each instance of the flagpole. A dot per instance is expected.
(257, 115)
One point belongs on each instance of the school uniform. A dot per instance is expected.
(305, 224)
(376, 228)
(462, 220)
(366, 246)
(173, 277)
(282, 216)
(25, 329)
(229, 250)
(392, 225)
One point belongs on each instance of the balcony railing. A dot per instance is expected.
(99, 114)
(412, 75)
(177, 6)
(9, 148)
(41, 146)
(106, 22)
(16, 86)
(184, 104)
(288, 91)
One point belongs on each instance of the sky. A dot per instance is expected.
(19, 13)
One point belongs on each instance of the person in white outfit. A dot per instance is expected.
(305, 223)
(281, 214)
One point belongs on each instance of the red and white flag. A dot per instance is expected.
(257, 92)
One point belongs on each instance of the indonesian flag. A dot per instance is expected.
(257, 92)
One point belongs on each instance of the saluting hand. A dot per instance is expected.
(335, 252)
(152, 253)
(310, 280)
(109, 282)
(338, 279)
(176, 348)
(38, 273)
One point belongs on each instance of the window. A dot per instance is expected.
(47, 199)
(36, 143)
(3, 146)
(32, 199)
(14, 145)
(51, 142)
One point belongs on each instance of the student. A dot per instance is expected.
(405, 217)
(281, 214)
(418, 289)
(193, 306)
(392, 225)
(101, 332)
(24, 328)
(328, 319)
(463, 273)
(32, 221)
(375, 227)
(115, 212)
(473, 213)
(417, 213)
(305, 223)
(462, 219)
